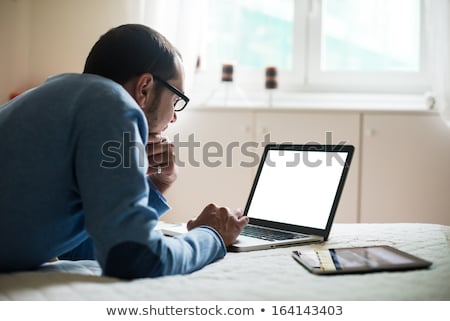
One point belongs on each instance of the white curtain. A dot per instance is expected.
(182, 23)
(437, 14)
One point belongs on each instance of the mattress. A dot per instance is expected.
(259, 275)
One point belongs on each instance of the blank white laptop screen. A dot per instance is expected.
(297, 187)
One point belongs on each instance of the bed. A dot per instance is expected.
(260, 275)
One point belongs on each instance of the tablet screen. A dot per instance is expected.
(358, 259)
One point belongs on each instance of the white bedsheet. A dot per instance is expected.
(259, 275)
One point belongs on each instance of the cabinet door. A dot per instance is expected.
(209, 158)
(318, 127)
(405, 169)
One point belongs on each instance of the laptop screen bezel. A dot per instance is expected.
(349, 149)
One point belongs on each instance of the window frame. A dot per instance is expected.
(306, 76)
(360, 82)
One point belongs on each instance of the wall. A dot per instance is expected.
(63, 32)
(41, 38)
(15, 48)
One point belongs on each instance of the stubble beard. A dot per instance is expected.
(151, 112)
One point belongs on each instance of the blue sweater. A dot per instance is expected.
(73, 172)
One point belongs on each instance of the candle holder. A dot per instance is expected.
(227, 92)
(271, 83)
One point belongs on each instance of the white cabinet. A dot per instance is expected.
(219, 153)
(400, 170)
(405, 169)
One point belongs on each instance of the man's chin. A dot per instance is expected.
(158, 131)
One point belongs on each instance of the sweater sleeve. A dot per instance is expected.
(121, 206)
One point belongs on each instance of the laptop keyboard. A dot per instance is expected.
(269, 235)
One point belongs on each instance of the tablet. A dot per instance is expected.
(358, 260)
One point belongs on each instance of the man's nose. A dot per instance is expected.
(174, 117)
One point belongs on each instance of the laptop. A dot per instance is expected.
(294, 196)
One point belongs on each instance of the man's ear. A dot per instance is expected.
(143, 88)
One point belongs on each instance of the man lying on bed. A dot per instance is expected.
(77, 182)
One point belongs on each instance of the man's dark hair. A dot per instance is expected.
(131, 50)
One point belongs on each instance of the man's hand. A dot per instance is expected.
(161, 162)
(227, 223)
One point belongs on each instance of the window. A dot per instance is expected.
(251, 33)
(367, 36)
(370, 46)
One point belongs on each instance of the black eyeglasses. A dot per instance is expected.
(182, 100)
